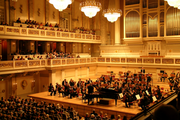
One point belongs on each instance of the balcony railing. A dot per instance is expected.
(26, 64)
(10, 30)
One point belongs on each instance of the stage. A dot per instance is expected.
(83, 107)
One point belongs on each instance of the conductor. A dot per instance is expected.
(90, 91)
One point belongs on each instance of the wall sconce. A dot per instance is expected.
(62, 45)
(13, 43)
(32, 44)
(48, 44)
(84, 45)
(73, 45)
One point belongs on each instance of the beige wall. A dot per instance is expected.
(39, 6)
(21, 10)
(53, 15)
(3, 87)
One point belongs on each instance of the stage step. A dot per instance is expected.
(106, 101)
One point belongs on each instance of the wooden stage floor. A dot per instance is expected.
(83, 107)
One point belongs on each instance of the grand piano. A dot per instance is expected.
(103, 93)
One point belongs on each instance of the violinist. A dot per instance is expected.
(176, 83)
(149, 89)
(64, 82)
(172, 76)
(60, 90)
(164, 76)
(158, 92)
(148, 78)
(66, 89)
(128, 99)
(71, 82)
(178, 76)
(171, 84)
(144, 101)
(79, 83)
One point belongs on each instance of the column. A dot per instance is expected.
(117, 25)
(141, 22)
(52, 77)
(159, 18)
(103, 26)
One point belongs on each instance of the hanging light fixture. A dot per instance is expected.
(90, 8)
(112, 14)
(174, 3)
(60, 4)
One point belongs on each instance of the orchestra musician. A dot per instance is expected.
(148, 78)
(129, 88)
(172, 76)
(64, 82)
(178, 76)
(79, 83)
(142, 70)
(51, 89)
(127, 99)
(144, 101)
(164, 76)
(60, 90)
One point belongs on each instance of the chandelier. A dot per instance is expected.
(90, 8)
(60, 4)
(112, 14)
(174, 3)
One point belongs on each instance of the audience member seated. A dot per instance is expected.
(47, 24)
(30, 109)
(3, 23)
(56, 25)
(166, 112)
(50, 25)
(18, 20)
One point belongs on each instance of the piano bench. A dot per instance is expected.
(106, 101)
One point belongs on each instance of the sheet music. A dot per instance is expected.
(138, 97)
(120, 95)
(154, 98)
(147, 92)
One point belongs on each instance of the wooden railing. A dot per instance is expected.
(10, 30)
(25, 64)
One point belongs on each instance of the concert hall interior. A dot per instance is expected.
(124, 67)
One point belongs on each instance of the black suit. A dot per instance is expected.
(142, 70)
(64, 82)
(90, 89)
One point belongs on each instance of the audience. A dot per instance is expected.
(29, 109)
(30, 24)
(166, 112)
(52, 55)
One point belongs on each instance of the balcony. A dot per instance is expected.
(7, 67)
(10, 32)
